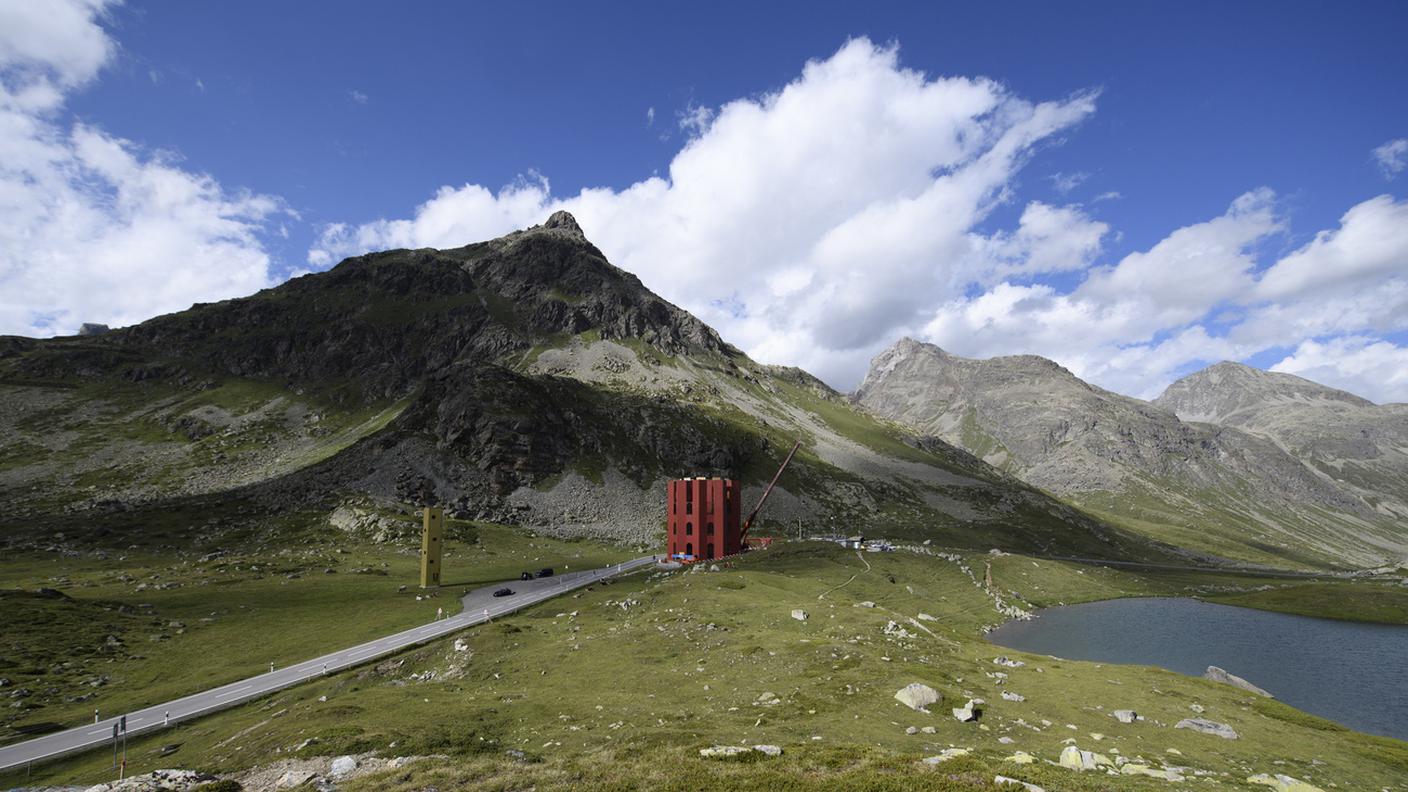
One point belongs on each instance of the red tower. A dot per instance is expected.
(703, 518)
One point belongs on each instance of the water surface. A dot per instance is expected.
(1352, 673)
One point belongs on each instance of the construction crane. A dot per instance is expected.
(748, 523)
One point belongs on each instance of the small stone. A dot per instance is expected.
(770, 750)
(1020, 757)
(928, 730)
(1008, 695)
(1125, 716)
(911, 730)
(799, 614)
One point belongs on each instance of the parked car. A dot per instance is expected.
(545, 572)
(504, 592)
(526, 576)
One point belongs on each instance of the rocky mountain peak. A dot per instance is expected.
(564, 221)
(1222, 390)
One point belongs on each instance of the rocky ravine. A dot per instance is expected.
(1034, 418)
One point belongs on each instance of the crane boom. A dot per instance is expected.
(748, 523)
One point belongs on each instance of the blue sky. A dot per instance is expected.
(307, 131)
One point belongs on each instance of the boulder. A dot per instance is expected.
(1075, 759)
(966, 712)
(1125, 716)
(723, 751)
(918, 696)
(1218, 675)
(1008, 695)
(1207, 727)
(866, 604)
(1003, 660)
(799, 614)
(461, 645)
(1282, 783)
(770, 750)
(92, 329)
(1021, 757)
(911, 730)
(342, 766)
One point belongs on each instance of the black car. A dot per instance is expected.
(504, 592)
(526, 576)
(545, 572)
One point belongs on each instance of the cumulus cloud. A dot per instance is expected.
(812, 224)
(1369, 245)
(1198, 296)
(1392, 157)
(1120, 326)
(1374, 369)
(92, 228)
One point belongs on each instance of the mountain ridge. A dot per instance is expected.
(1136, 461)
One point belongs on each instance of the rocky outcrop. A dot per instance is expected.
(1216, 674)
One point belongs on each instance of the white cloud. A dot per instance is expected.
(92, 228)
(1135, 326)
(1065, 182)
(867, 176)
(1370, 244)
(357, 96)
(1374, 369)
(49, 47)
(649, 117)
(1392, 157)
(1047, 239)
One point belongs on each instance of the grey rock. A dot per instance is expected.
(343, 766)
(1218, 675)
(1125, 716)
(770, 750)
(918, 696)
(1207, 727)
(723, 751)
(92, 329)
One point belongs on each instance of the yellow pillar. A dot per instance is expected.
(432, 541)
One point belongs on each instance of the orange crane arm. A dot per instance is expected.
(748, 523)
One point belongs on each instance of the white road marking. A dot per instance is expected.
(230, 692)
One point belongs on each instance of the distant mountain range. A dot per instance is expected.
(1256, 465)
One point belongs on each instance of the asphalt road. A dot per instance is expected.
(479, 606)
